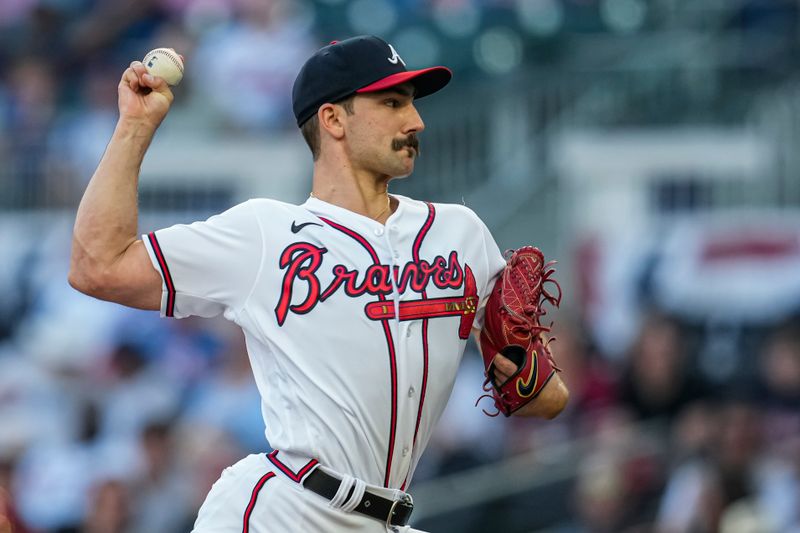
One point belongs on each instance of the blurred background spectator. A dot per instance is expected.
(649, 146)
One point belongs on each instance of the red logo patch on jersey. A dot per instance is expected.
(464, 306)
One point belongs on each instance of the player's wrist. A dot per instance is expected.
(134, 128)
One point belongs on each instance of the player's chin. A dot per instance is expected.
(404, 172)
(399, 167)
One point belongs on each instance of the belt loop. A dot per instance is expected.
(355, 498)
(351, 494)
(341, 495)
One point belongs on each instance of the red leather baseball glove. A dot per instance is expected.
(512, 328)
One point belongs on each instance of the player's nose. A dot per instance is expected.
(414, 121)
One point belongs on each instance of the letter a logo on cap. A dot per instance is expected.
(395, 57)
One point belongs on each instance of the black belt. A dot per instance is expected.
(391, 512)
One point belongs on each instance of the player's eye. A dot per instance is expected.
(392, 102)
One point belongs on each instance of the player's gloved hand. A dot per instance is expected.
(144, 100)
(515, 351)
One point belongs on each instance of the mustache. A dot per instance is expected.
(410, 141)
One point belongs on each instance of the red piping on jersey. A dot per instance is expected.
(389, 343)
(162, 262)
(415, 256)
(285, 469)
(250, 506)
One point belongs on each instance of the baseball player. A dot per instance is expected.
(356, 305)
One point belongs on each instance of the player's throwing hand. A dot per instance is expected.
(143, 98)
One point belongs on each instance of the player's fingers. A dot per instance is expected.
(129, 73)
(504, 364)
(129, 79)
(157, 84)
(140, 70)
(504, 368)
(500, 377)
(135, 74)
(139, 67)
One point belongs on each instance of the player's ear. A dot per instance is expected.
(330, 120)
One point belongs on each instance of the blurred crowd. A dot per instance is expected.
(60, 60)
(719, 456)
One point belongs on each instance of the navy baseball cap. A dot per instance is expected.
(357, 65)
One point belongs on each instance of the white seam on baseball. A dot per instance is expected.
(171, 57)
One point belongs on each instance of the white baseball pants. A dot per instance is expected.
(257, 496)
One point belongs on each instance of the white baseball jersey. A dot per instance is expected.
(355, 329)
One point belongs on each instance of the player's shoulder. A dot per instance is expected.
(259, 213)
(446, 212)
(271, 209)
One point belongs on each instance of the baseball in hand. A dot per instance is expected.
(164, 63)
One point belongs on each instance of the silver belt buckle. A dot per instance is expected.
(406, 499)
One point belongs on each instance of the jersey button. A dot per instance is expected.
(405, 451)
(378, 231)
(411, 392)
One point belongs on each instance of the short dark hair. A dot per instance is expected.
(310, 128)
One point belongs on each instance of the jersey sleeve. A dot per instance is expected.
(210, 267)
(494, 264)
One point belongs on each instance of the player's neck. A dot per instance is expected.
(367, 197)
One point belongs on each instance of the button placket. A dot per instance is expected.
(408, 374)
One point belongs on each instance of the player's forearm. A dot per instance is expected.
(107, 220)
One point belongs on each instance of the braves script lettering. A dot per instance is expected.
(302, 260)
